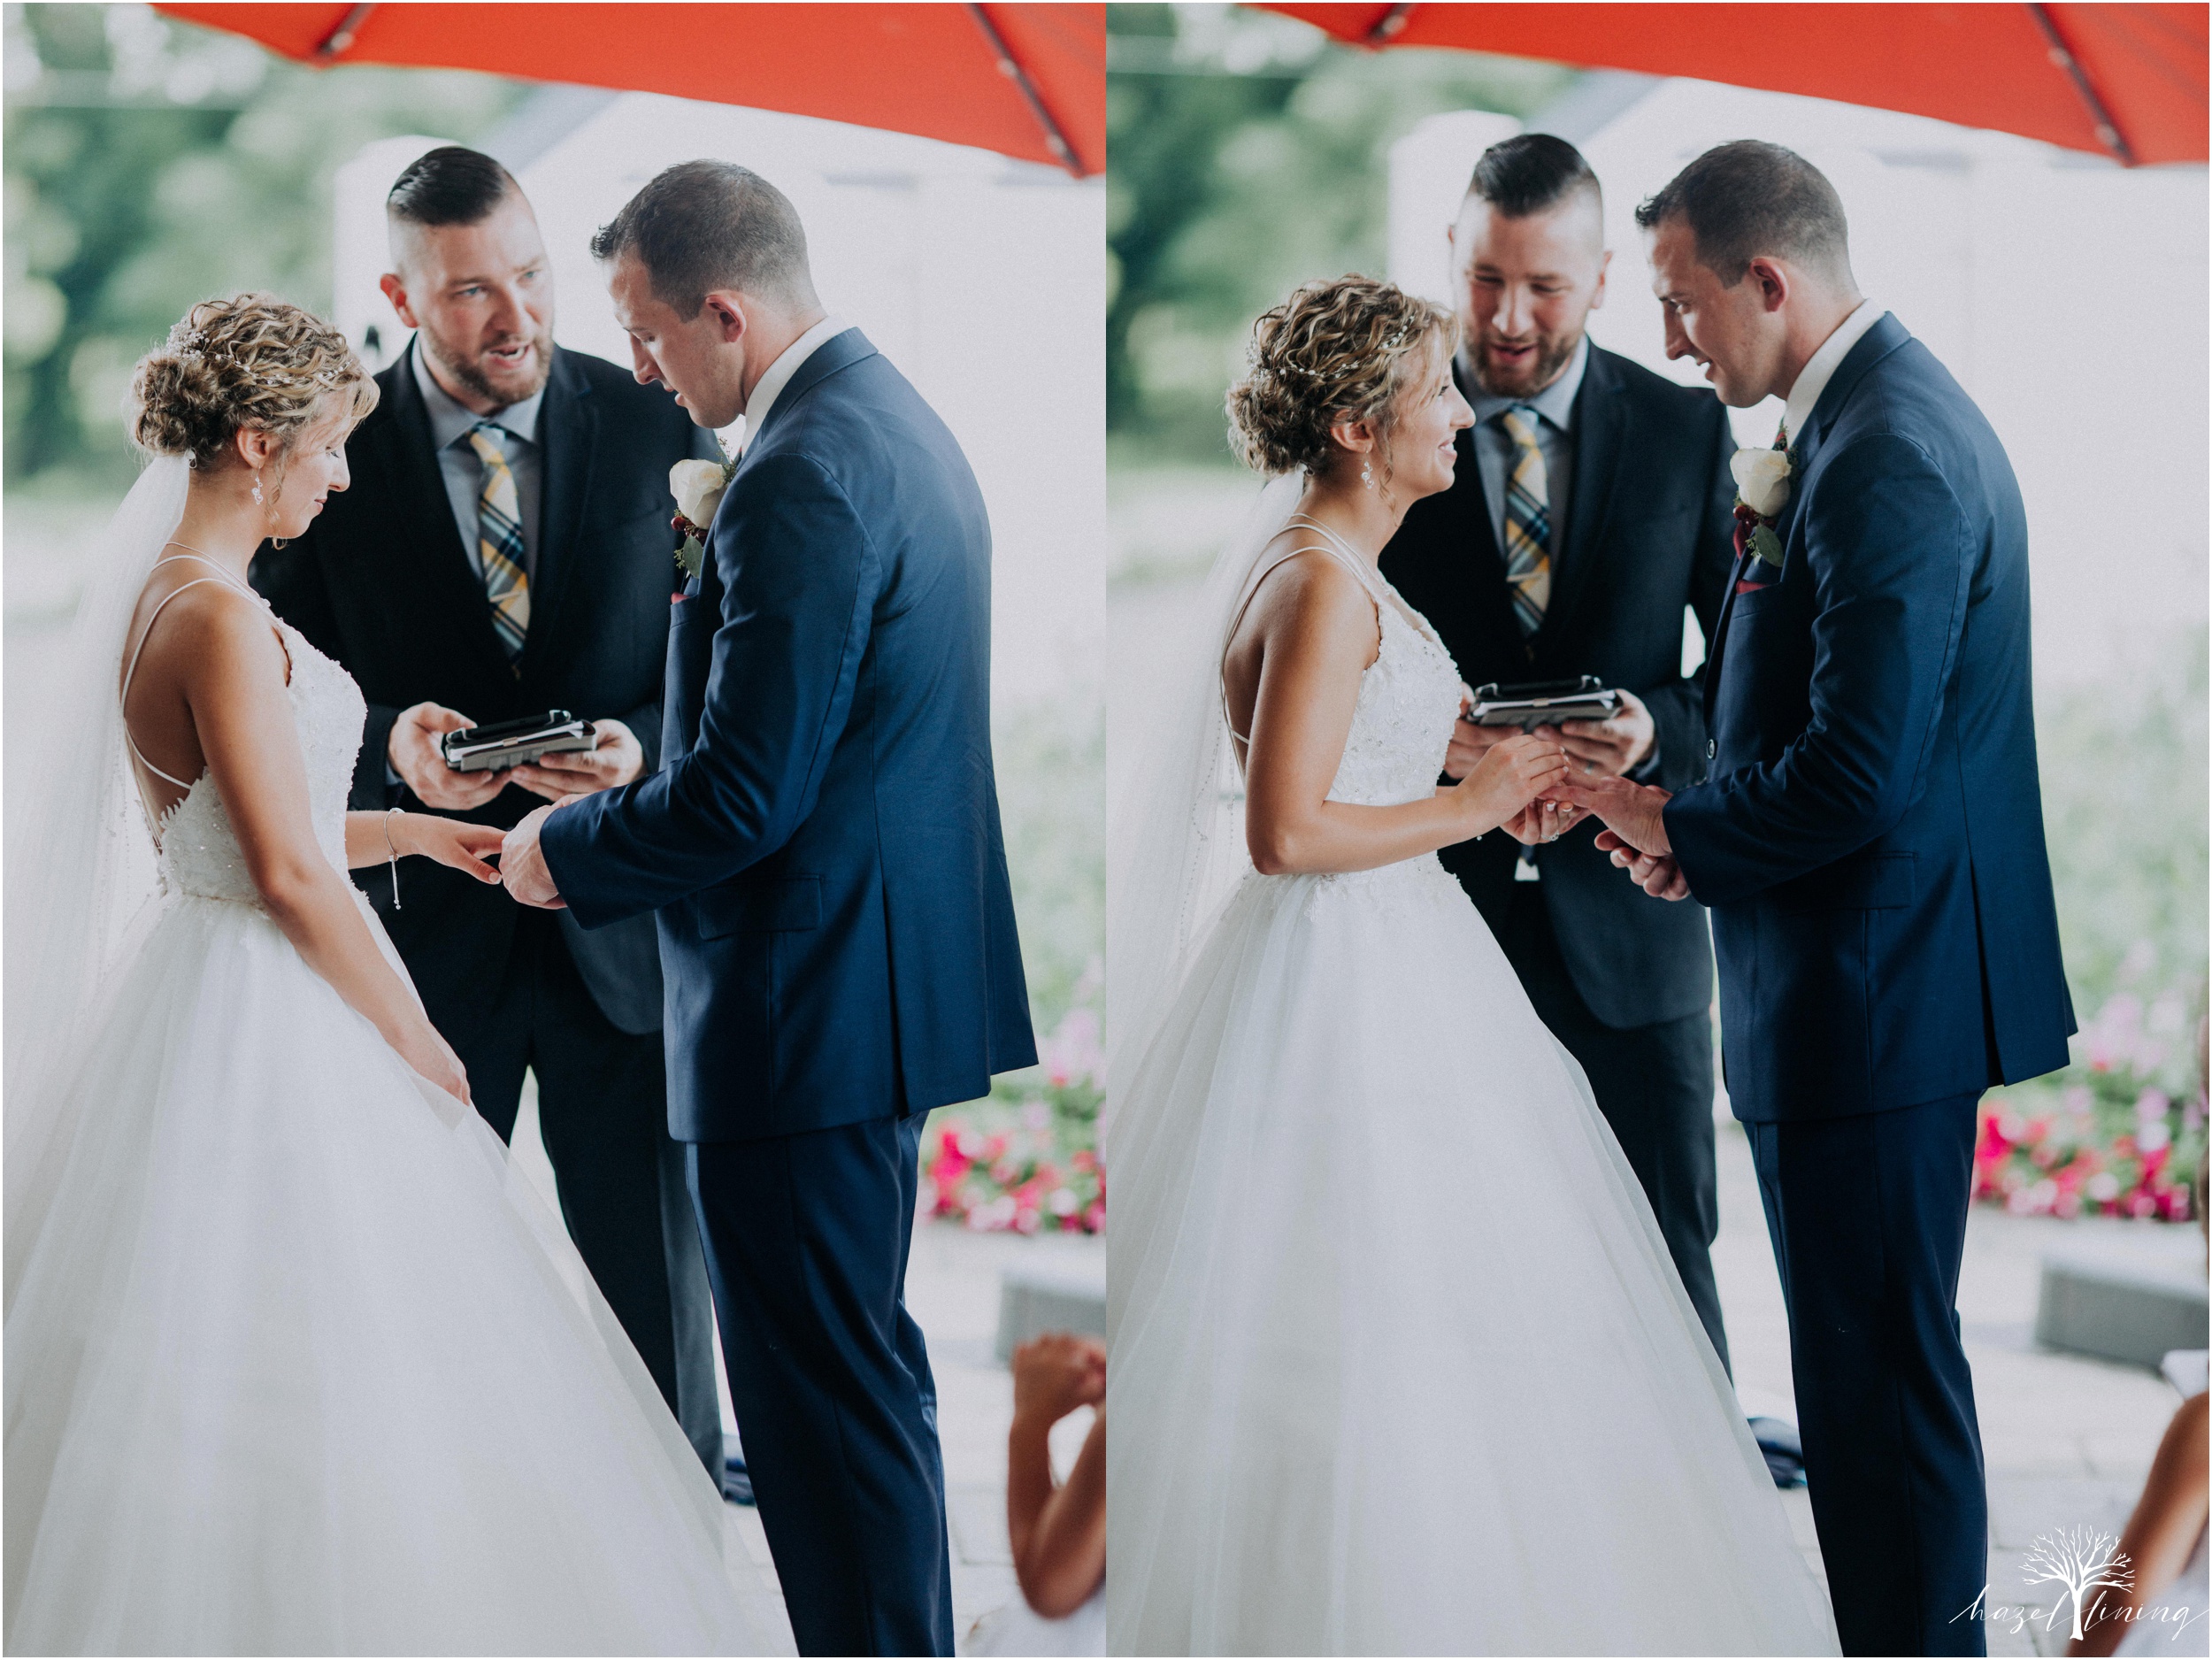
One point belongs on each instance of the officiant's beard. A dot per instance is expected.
(1552, 355)
(509, 388)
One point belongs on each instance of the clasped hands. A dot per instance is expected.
(1635, 831)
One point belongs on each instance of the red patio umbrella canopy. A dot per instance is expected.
(1024, 80)
(2121, 80)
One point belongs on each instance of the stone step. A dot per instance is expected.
(1035, 1298)
(2122, 1300)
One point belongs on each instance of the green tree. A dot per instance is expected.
(1245, 154)
(149, 164)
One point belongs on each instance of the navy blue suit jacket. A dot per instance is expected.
(822, 841)
(1871, 837)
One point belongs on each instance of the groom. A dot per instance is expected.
(1869, 840)
(822, 845)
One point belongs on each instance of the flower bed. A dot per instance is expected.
(1025, 1158)
(2121, 1132)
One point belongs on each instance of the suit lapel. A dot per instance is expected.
(568, 425)
(1477, 563)
(1886, 337)
(846, 347)
(1597, 453)
(405, 450)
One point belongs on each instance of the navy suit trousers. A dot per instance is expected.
(1867, 1215)
(807, 1238)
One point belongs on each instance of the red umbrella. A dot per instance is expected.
(2122, 80)
(1026, 81)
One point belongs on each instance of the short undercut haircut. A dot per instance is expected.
(1531, 172)
(1750, 199)
(702, 226)
(448, 186)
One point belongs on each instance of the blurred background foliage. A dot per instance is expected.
(1246, 154)
(149, 164)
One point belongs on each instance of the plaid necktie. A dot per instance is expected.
(1527, 522)
(499, 539)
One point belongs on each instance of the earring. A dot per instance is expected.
(1367, 473)
(257, 487)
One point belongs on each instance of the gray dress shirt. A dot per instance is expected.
(449, 428)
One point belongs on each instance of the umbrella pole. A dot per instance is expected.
(341, 39)
(2107, 129)
(1055, 140)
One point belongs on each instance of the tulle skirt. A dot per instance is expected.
(1404, 1361)
(296, 1364)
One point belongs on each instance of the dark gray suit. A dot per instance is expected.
(1624, 982)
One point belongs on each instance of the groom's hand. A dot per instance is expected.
(1635, 813)
(522, 864)
(1659, 876)
(617, 759)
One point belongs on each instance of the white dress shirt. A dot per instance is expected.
(771, 385)
(1820, 368)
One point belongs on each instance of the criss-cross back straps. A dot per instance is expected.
(1333, 546)
(225, 579)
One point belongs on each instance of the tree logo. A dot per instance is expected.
(2081, 1560)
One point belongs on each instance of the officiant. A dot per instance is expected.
(504, 551)
(1591, 503)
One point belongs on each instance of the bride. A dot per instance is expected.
(295, 1365)
(1414, 1371)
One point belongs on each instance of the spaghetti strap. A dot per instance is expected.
(1334, 547)
(224, 580)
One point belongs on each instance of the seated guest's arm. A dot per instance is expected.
(1058, 1533)
(2169, 1521)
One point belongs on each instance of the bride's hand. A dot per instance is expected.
(1508, 780)
(452, 842)
(1542, 821)
(425, 1049)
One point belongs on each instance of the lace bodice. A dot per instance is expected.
(200, 854)
(1403, 725)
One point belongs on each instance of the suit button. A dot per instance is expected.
(1712, 748)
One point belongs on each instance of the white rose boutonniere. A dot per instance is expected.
(1763, 489)
(697, 486)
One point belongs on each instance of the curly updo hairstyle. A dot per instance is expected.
(1333, 352)
(252, 362)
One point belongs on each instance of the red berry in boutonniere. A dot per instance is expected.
(1763, 489)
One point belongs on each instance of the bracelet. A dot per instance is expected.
(394, 852)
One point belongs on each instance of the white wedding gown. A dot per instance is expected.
(1413, 1372)
(294, 1364)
